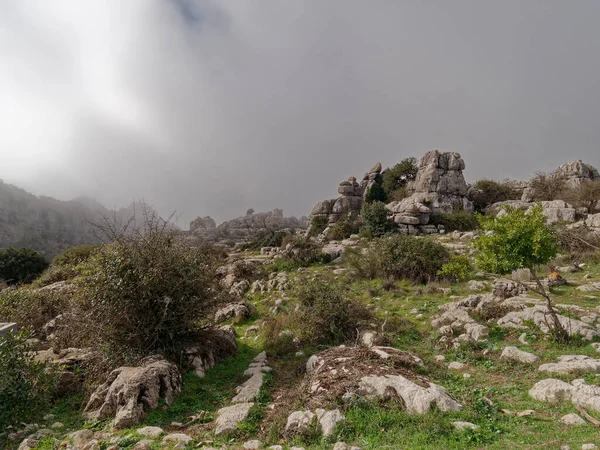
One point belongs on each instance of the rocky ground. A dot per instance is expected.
(466, 365)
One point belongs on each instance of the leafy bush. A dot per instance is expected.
(21, 265)
(345, 228)
(317, 225)
(270, 239)
(146, 294)
(486, 192)
(400, 257)
(326, 316)
(457, 220)
(374, 218)
(458, 268)
(75, 255)
(25, 385)
(31, 307)
(397, 177)
(303, 252)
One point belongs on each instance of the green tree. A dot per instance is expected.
(395, 179)
(516, 239)
(374, 218)
(376, 193)
(21, 265)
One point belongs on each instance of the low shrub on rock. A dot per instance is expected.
(75, 255)
(31, 307)
(25, 385)
(302, 252)
(21, 265)
(374, 220)
(457, 220)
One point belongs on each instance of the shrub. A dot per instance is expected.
(375, 222)
(31, 307)
(486, 192)
(586, 195)
(146, 293)
(398, 176)
(317, 225)
(21, 265)
(326, 316)
(270, 239)
(547, 186)
(457, 220)
(400, 256)
(576, 240)
(458, 268)
(303, 252)
(376, 192)
(54, 274)
(345, 228)
(25, 385)
(75, 255)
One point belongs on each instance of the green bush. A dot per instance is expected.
(396, 178)
(25, 385)
(21, 265)
(303, 252)
(398, 257)
(75, 255)
(457, 220)
(376, 192)
(270, 239)
(326, 316)
(54, 274)
(31, 307)
(486, 192)
(345, 228)
(146, 293)
(317, 226)
(375, 221)
(458, 268)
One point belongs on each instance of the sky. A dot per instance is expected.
(208, 107)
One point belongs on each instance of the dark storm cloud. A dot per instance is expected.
(209, 107)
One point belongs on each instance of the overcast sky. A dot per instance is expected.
(213, 107)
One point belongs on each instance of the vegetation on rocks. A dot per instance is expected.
(21, 265)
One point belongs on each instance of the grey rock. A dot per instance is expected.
(465, 425)
(229, 417)
(329, 419)
(572, 363)
(572, 419)
(151, 432)
(514, 354)
(298, 421)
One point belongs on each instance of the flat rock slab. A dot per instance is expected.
(230, 416)
(151, 432)
(580, 394)
(417, 399)
(249, 390)
(572, 363)
(514, 354)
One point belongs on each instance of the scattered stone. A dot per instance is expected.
(551, 391)
(522, 339)
(508, 289)
(344, 446)
(440, 358)
(455, 365)
(234, 310)
(144, 444)
(57, 425)
(82, 437)
(328, 420)
(475, 285)
(177, 438)
(151, 432)
(572, 363)
(129, 392)
(298, 421)
(589, 447)
(465, 426)
(572, 419)
(230, 416)
(251, 445)
(514, 354)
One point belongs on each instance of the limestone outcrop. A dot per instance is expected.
(352, 195)
(439, 187)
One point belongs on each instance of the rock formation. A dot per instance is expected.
(352, 195)
(439, 187)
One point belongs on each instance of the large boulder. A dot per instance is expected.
(130, 392)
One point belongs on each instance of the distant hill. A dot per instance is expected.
(51, 226)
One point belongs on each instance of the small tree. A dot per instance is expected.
(374, 217)
(519, 239)
(21, 265)
(486, 192)
(376, 193)
(548, 186)
(395, 179)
